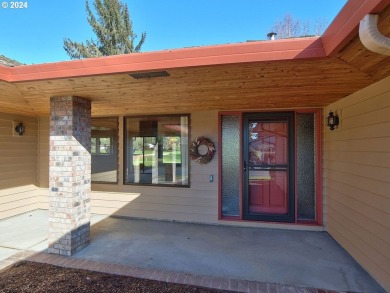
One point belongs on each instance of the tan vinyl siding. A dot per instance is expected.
(43, 172)
(18, 165)
(357, 178)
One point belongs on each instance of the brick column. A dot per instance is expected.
(69, 174)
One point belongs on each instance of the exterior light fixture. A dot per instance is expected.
(20, 128)
(333, 120)
(271, 36)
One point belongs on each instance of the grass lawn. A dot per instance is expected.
(168, 157)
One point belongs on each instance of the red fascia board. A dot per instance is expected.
(345, 25)
(288, 49)
(5, 73)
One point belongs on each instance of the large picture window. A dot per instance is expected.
(157, 150)
(104, 150)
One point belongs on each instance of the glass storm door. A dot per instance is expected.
(268, 167)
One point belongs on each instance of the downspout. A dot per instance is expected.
(370, 36)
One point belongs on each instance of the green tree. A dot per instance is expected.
(113, 29)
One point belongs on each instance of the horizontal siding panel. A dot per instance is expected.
(210, 168)
(5, 199)
(43, 180)
(111, 199)
(204, 178)
(379, 219)
(201, 210)
(6, 132)
(367, 131)
(372, 172)
(11, 168)
(17, 147)
(18, 139)
(5, 161)
(158, 215)
(364, 248)
(121, 196)
(18, 189)
(374, 200)
(16, 204)
(374, 145)
(23, 174)
(369, 185)
(204, 187)
(353, 248)
(367, 119)
(364, 158)
(29, 133)
(13, 117)
(152, 190)
(18, 211)
(42, 203)
(12, 160)
(377, 235)
(42, 198)
(5, 123)
(29, 153)
(99, 199)
(16, 182)
(368, 106)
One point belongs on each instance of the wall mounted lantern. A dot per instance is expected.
(333, 120)
(20, 128)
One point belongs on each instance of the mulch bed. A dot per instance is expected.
(29, 277)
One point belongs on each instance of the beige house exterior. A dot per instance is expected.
(356, 178)
(334, 72)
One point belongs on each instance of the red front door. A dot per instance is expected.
(268, 168)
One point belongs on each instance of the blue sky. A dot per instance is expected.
(35, 34)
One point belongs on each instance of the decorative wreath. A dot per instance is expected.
(194, 150)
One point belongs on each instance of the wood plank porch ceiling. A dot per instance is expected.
(311, 81)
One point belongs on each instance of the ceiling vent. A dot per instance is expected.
(150, 74)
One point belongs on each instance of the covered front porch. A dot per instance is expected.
(198, 86)
(231, 258)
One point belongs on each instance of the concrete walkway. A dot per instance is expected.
(238, 259)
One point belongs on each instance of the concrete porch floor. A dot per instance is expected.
(288, 258)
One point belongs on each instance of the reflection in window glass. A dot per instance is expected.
(104, 150)
(105, 145)
(157, 150)
(93, 145)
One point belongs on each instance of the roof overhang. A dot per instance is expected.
(261, 51)
(290, 73)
